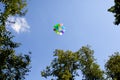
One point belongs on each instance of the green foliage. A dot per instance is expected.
(64, 66)
(12, 7)
(13, 66)
(116, 10)
(90, 70)
(113, 66)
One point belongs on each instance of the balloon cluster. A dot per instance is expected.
(59, 29)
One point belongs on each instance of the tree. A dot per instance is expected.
(113, 66)
(11, 8)
(64, 66)
(90, 69)
(13, 66)
(116, 10)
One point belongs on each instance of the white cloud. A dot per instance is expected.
(18, 24)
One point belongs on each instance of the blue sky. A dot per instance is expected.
(86, 22)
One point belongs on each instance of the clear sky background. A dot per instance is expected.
(87, 23)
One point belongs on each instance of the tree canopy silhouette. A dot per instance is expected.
(13, 66)
(66, 65)
(116, 10)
